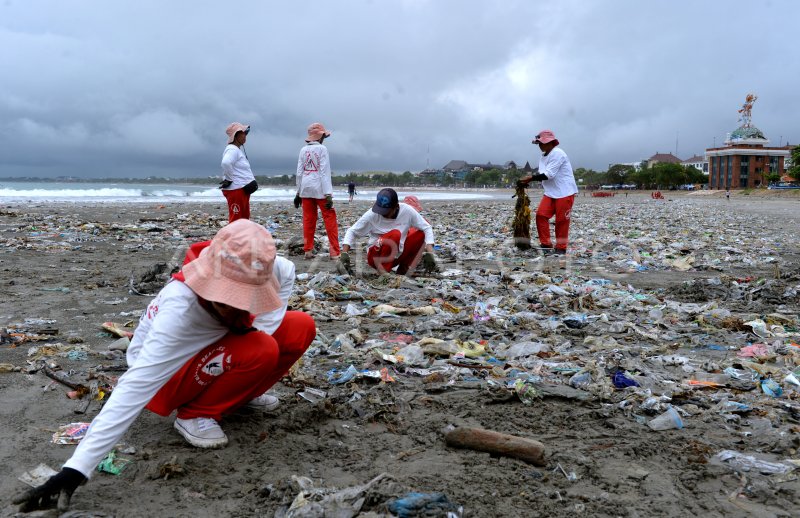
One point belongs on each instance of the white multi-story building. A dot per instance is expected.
(699, 162)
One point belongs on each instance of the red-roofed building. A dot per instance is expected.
(662, 158)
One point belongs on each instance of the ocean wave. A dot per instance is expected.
(108, 192)
(145, 192)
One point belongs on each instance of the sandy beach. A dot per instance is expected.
(662, 290)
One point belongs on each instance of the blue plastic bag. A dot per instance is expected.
(620, 380)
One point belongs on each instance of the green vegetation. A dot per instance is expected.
(667, 175)
(659, 176)
(794, 171)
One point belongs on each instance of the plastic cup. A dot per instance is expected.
(669, 420)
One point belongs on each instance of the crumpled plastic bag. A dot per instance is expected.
(423, 504)
(742, 462)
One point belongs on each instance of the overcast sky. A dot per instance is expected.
(138, 88)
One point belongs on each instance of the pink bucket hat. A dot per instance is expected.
(317, 130)
(236, 269)
(413, 201)
(544, 137)
(235, 127)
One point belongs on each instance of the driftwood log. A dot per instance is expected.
(528, 450)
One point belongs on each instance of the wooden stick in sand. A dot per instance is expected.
(529, 450)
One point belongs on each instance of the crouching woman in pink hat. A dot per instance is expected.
(558, 181)
(215, 338)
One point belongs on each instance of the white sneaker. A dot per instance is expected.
(265, 402)
(202, 432)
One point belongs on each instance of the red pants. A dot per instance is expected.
(383, 255)
(562, 208)
(310, 206)
(238, 204)
(229, 373)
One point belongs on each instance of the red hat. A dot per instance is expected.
(236, 269)
(234, 128)
(544, 137)
(316, 131)
(413, 201)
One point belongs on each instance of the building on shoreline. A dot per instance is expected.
(661, 158)
(699, 162)
(746, 160)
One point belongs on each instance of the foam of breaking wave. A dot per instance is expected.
(107, 192)
(143, 193)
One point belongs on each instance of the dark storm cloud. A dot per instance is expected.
(103, 89)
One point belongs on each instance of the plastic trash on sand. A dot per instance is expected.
(526, 392)
(411, 355)
(620, 380)
(71, 433)
(112, 464)
(742, 462)
(669, 420)
(313, 395)
(312, 502)
(488, 309)
(116, 330)
(771, 387)
(423, 504)
(337, 378)
(37, 476)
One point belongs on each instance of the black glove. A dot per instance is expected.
(60, 486)
(539, 177)
(329, 201)
(429, 263)
(297, 201)
(224, 184)
(344, 265)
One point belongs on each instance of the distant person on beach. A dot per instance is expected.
(728, 194)
(558, 181)
(351, 190)
(238, 182)
(215, 338)
(388, 225)
(315, 191)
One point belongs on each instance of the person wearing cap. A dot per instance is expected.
(315, 191)
(238, 182)
(555, 173)
(388, 225)
(215, 338)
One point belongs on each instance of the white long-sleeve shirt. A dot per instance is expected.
(560, 181)
(374, 225)
(172, 330)
(236, 167)
(314, 171)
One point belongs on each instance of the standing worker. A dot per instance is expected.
(558, 181)
(315, 191)
(238, 182)
(215, 338)
(351, 190)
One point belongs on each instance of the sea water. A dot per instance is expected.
(147, 192)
